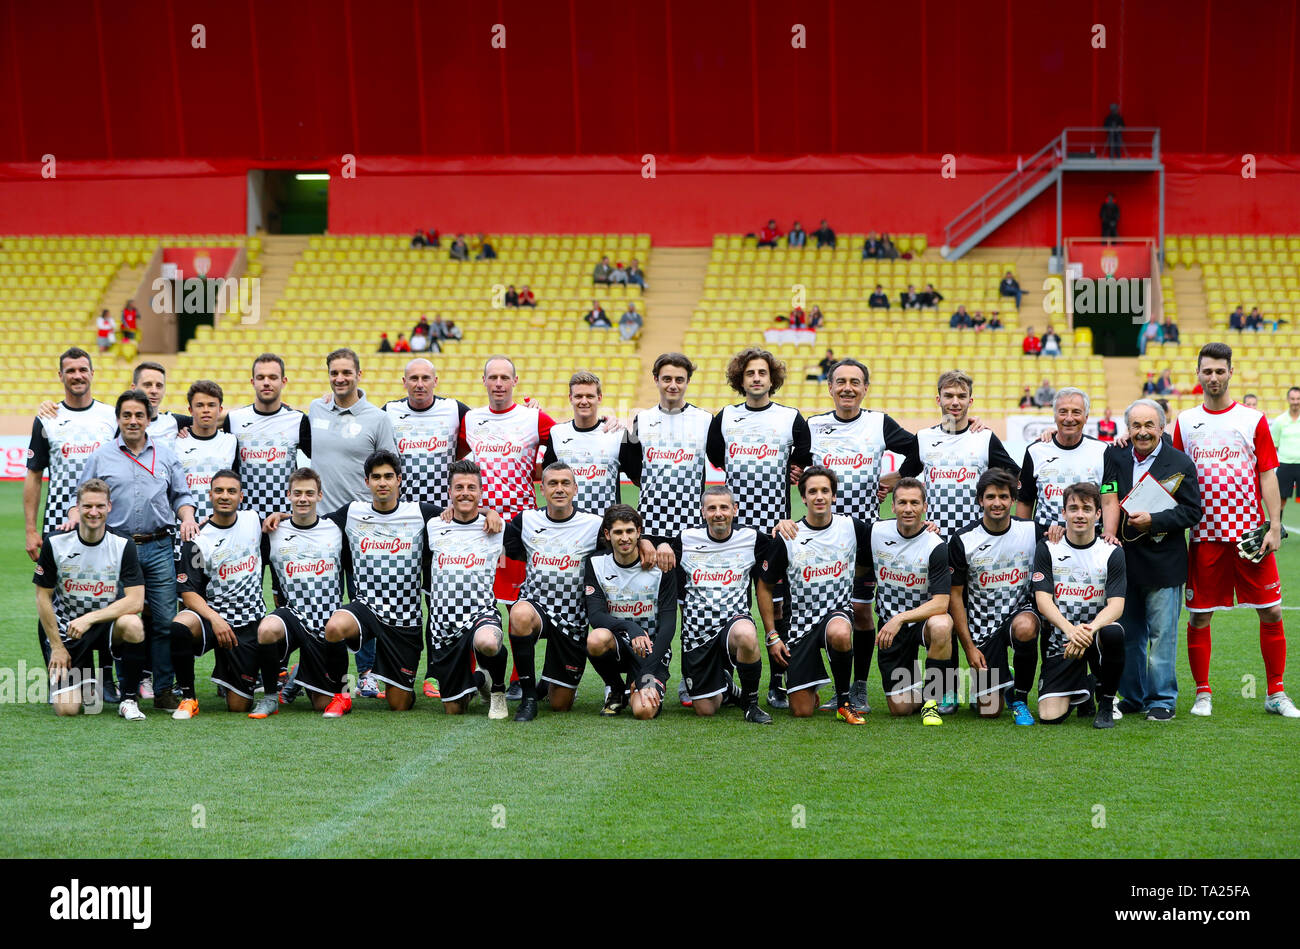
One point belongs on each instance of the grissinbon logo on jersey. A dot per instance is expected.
(637, 608)
(89, 587)
(389, 545)
(267, 455)
(757, 452)
(432, 444)
(564, 562)
(1009, 577)
(1079, 592)
(468, 560)
(84, 448)
(1053, 491)
(228, 570)
(829, 571)
(858, 460)
(956, 475)
(590, 472)
(725, 577)
(675, 456)
(316, 568)
(897, 576)
(1215, 454)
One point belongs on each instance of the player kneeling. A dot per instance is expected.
(1079, 585)
(77, 579)
(220, 583)
(633, 617)
(463, 618)
(306, 554)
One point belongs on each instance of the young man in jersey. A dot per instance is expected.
(633, 617)
(595, 454)
(220, 582)
(1233, 546)
(1285, 430)
(913, 583)
(819, 567)
(755, 442)
(306, 555)
(852, 442)
(991, 602)
(670, 464)
(553, 544)
(207, 449)
(1069, 458)
(269, 435)
(151, 379)
(463, 623)
(954, 455)
(714, 565)
(78, 575)
(1079, 585)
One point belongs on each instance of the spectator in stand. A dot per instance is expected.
(1169, 331)
(910, 299)
(434, 237)
(1250, 400)
(1107, 428)
(1165, 384)
(1027, 399)
(887, 249)
(401, 346)
(1149, 387)
(1045, 393)
(826, 365)
(797, 237)
(1254, 320)
(995, 322)
(512, 296)
(419, 240)
(796, 320)
(815, 318)
(930, 297)
(384, 345)
(444, 330)
(1051, 342)
(630, 323)
(596, 317)
(1109, 214)
(978, 321)
(619, 275)
(961, 319)
(602, 272)
(485, 249)
(1031, 345)
(825, 236)
(1010, 287)
(1150, 333)
(422, 328)
(423, 342)
(527, 297)
(878, 300)
(768, 234)
(459, 249)
(635, 274)
(872, 248)
(1237, 319)
(130, 322)
(105, 331)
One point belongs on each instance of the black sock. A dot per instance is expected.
(777, 680)
(182, 659)
(525, 648)
(606, 665)
(495, 666)
(268, 658)
(1026, 659)
(864, 644)
(841, 670)
(751, 673)
(935, 675)
(105, 664)
(945, 672)
(132, 667)
(1110, 641)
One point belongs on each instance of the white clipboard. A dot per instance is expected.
(1148, 495)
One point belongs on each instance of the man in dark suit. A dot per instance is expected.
(1155, 554)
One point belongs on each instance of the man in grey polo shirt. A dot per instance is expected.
(149, 495)
(345, 429)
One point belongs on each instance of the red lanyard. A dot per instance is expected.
(152, 464)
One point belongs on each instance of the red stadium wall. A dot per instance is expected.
(125, 205)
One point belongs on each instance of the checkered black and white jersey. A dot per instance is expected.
(673, 463)
(908, 570)
(165, 427)
(1080, 580)
(462, 564)
(86, 577)
(757, 445)
(385, 554)
(62, 444)
(593, 455)
(202, 458)
(268, 454)
(308, 564)
(855, 449)
(993, 570)
(1049, 469)
(713, 580)
(426, 440)
(953, 464)
(630, 593)
(553, 553)
(819, 565)
(224, 566)
(1230, 448)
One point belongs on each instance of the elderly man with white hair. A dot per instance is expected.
(1155, 554)
(1052, 466)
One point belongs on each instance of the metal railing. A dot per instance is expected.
(1103, 144)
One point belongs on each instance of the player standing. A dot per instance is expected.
(1285, 430)
(270, 435)
(151, 379)
(427, 428)
(1069, 458)
(991, 602)
(819, 566)
(584, 444)
(1236, 468)
(208, 449)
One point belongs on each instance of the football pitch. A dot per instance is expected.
(424, 784)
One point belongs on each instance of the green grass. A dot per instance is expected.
(424, 784)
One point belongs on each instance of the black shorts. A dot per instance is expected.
(708, 670)
(321, 665)
(900, 668)
(1059, 676)
(237, 669)
(997, 677)
(1288, 479)
(566, 650)
(864, 589)
(397, 648)
(82, 664)
(636, 667)
(451, 664)
(806, 669)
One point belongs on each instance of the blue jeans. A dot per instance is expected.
(1150, 622)
(158, 564)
